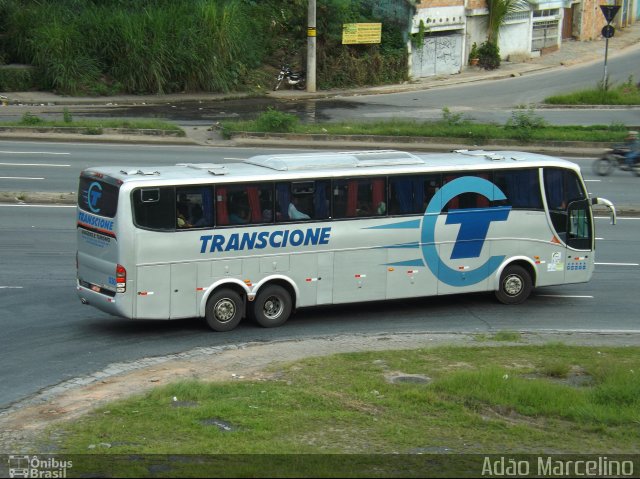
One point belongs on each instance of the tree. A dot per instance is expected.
(498, 11)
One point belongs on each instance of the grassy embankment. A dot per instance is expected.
(524, 125)
(95, 127)
(481, 399)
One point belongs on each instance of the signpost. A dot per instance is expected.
(609, 12)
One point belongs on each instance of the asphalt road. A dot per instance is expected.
(55, 167)
(49, 337)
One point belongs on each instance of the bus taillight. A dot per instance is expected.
(121, 279)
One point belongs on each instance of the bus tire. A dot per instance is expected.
(272, 306)
(224, 310)
(515, 285)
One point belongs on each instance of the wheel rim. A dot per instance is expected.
(224, 310)
(273, 307)
(602, 167)
(513, 285)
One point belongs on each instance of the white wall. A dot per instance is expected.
(515, 38)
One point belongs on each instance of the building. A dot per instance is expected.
(443, 31)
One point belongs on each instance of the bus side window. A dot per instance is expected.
(154, 208)
(250, 203)
(302, 200)
(359, 197)
(467, 200)
(194, 207)
(521, 188)
(409, 195)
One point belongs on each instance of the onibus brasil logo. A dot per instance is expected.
(474, 226)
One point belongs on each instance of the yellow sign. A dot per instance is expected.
(361, 33)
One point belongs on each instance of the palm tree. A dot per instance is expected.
(498, 11)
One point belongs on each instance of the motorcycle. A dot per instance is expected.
(295, 79)
(615, 158)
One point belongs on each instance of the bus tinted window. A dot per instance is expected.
(194, 207)
(244, 204)
(466, 200)
(154, 208)
(98, 197)
(410, 195)
(359, 197)
(561, 187)
(521, 187)
(303, 200)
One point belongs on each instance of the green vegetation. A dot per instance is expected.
(276, 121)
(104, 47)
(94, 127)
(524, 125)
(483, 400)
(16, 78)
(626, 94)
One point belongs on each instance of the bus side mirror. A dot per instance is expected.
(608, 204)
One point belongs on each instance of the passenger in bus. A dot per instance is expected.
(239, 215)
(197, 218)
(294, 213)
(181, 219)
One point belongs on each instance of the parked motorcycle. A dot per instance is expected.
(294, 79)
(615, 158)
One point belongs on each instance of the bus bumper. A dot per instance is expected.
(101, 301)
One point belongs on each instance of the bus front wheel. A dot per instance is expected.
(515, 285)
(272, 306)
(224, 310)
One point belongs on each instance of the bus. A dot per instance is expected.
(262, 237)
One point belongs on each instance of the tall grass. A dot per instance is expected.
(149, 46)
(627, 93)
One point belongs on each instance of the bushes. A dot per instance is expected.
(276, 121)
(16, 78)
(151, 46)
(164, 46)
(489, 54)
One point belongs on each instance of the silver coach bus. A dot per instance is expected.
(273, 233)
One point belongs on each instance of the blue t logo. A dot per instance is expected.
(93, 195)
(474, 226)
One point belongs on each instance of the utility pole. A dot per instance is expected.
(311, 47)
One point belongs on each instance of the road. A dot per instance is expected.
(49, 337)
(55, 167)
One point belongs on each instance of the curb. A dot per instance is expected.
(421, 143)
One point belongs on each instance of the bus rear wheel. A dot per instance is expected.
(224, 310)
(515, 285)
(272, 306)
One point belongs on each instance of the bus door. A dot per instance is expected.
(570, 214)
(579, 266)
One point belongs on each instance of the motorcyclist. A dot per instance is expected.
(632, 142)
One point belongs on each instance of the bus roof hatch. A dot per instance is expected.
(346, 159)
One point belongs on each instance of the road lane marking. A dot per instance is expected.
(564, 296)
(4, 152)
(23, 205)
(19, 178)
(618, 264)
(11, 287)
(35, 164)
